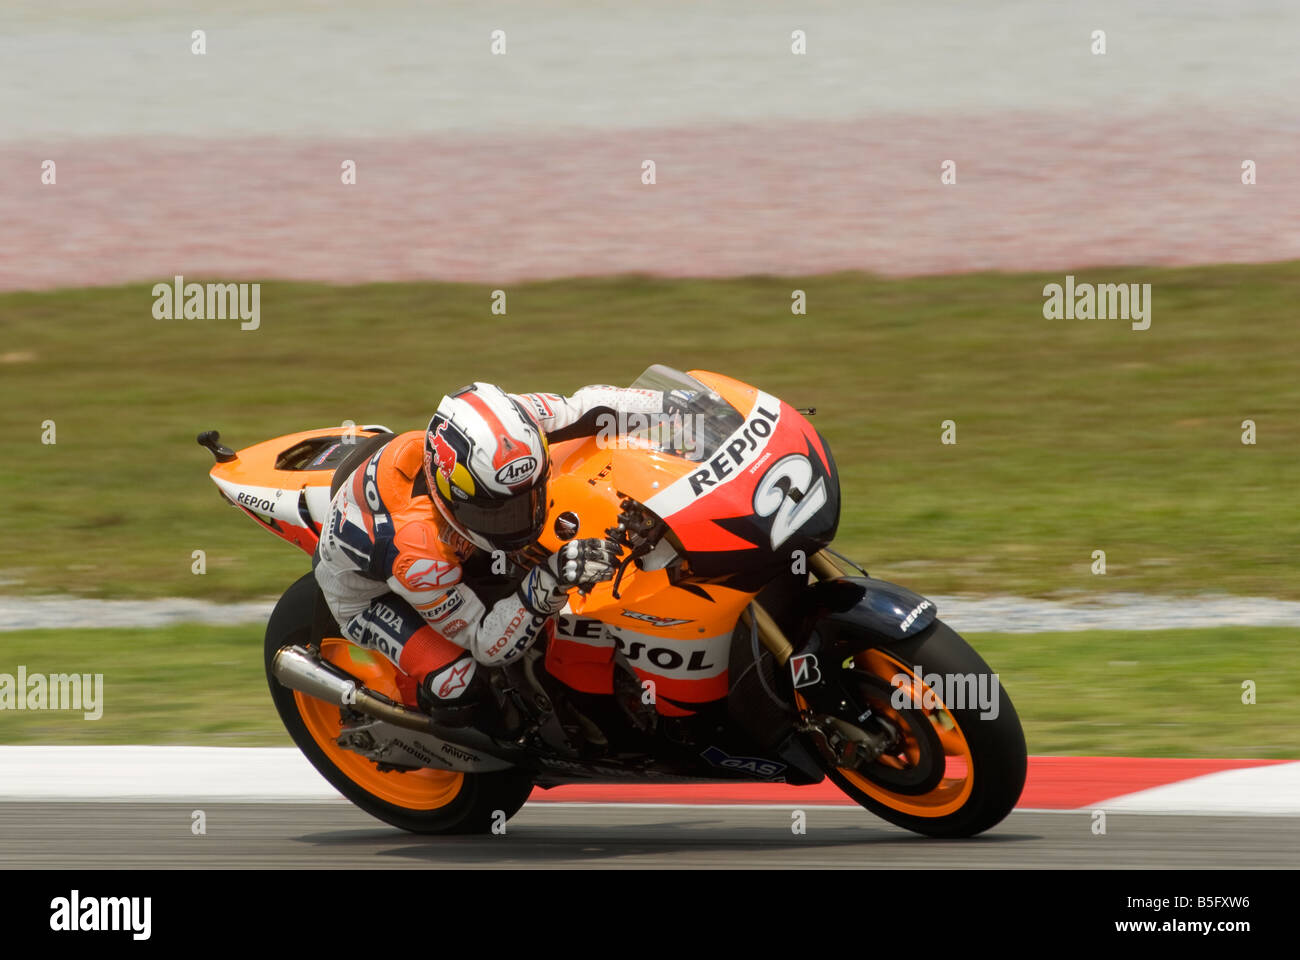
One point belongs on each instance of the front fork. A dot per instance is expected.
(844, 734)
(769, 633)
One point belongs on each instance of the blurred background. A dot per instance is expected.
(774, 172)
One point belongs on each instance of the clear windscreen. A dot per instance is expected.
(696, 420)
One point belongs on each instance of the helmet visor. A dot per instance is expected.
(509, 524)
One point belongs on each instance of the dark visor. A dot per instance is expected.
(508, 523)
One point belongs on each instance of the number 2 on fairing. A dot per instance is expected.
(781, 491)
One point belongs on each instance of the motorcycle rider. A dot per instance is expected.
(392, 554)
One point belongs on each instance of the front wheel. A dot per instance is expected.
(957, 764)
(421, 801)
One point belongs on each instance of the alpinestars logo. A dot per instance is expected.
(424, 573)
(451, 683)
(804, 671)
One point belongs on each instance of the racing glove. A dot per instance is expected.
(579, 563)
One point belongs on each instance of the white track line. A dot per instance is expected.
(1272, 790)
(162, 774)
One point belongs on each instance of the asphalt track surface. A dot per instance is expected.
(121, 835)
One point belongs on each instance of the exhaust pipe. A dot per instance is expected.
(299, 670)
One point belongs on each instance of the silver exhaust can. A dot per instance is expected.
(297, 670)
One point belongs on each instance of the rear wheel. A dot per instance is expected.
(422, 801)
(951, 772)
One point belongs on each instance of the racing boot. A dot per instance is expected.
(476, 707)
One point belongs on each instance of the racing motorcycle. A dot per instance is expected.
(731, 645)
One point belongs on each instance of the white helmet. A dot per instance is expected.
(486, 464)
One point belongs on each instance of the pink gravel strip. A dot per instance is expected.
(1034, 192)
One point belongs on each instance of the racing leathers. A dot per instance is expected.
(392, 568)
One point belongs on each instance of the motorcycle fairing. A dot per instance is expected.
(851, 614)
(283, 483)
(769, 490)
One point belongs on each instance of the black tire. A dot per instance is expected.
(997, 746)
(473, 810)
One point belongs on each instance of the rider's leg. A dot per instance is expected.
(392, 626)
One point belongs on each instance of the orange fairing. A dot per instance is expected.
(710, 499)
(742, 396)
(739, 395)
(288, 495)
(587, 480)
(675, 638)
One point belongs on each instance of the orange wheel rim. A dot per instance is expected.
(959, 770)
(413, 789)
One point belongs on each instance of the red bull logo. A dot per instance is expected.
(445, 453)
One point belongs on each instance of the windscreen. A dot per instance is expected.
(696, 420)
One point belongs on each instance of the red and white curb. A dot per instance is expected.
(282, 774)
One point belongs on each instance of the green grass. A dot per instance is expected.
(1145, 694)
(1160, 693)
(186, 684)
(1073, 436)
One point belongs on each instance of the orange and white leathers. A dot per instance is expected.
(390, 566)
